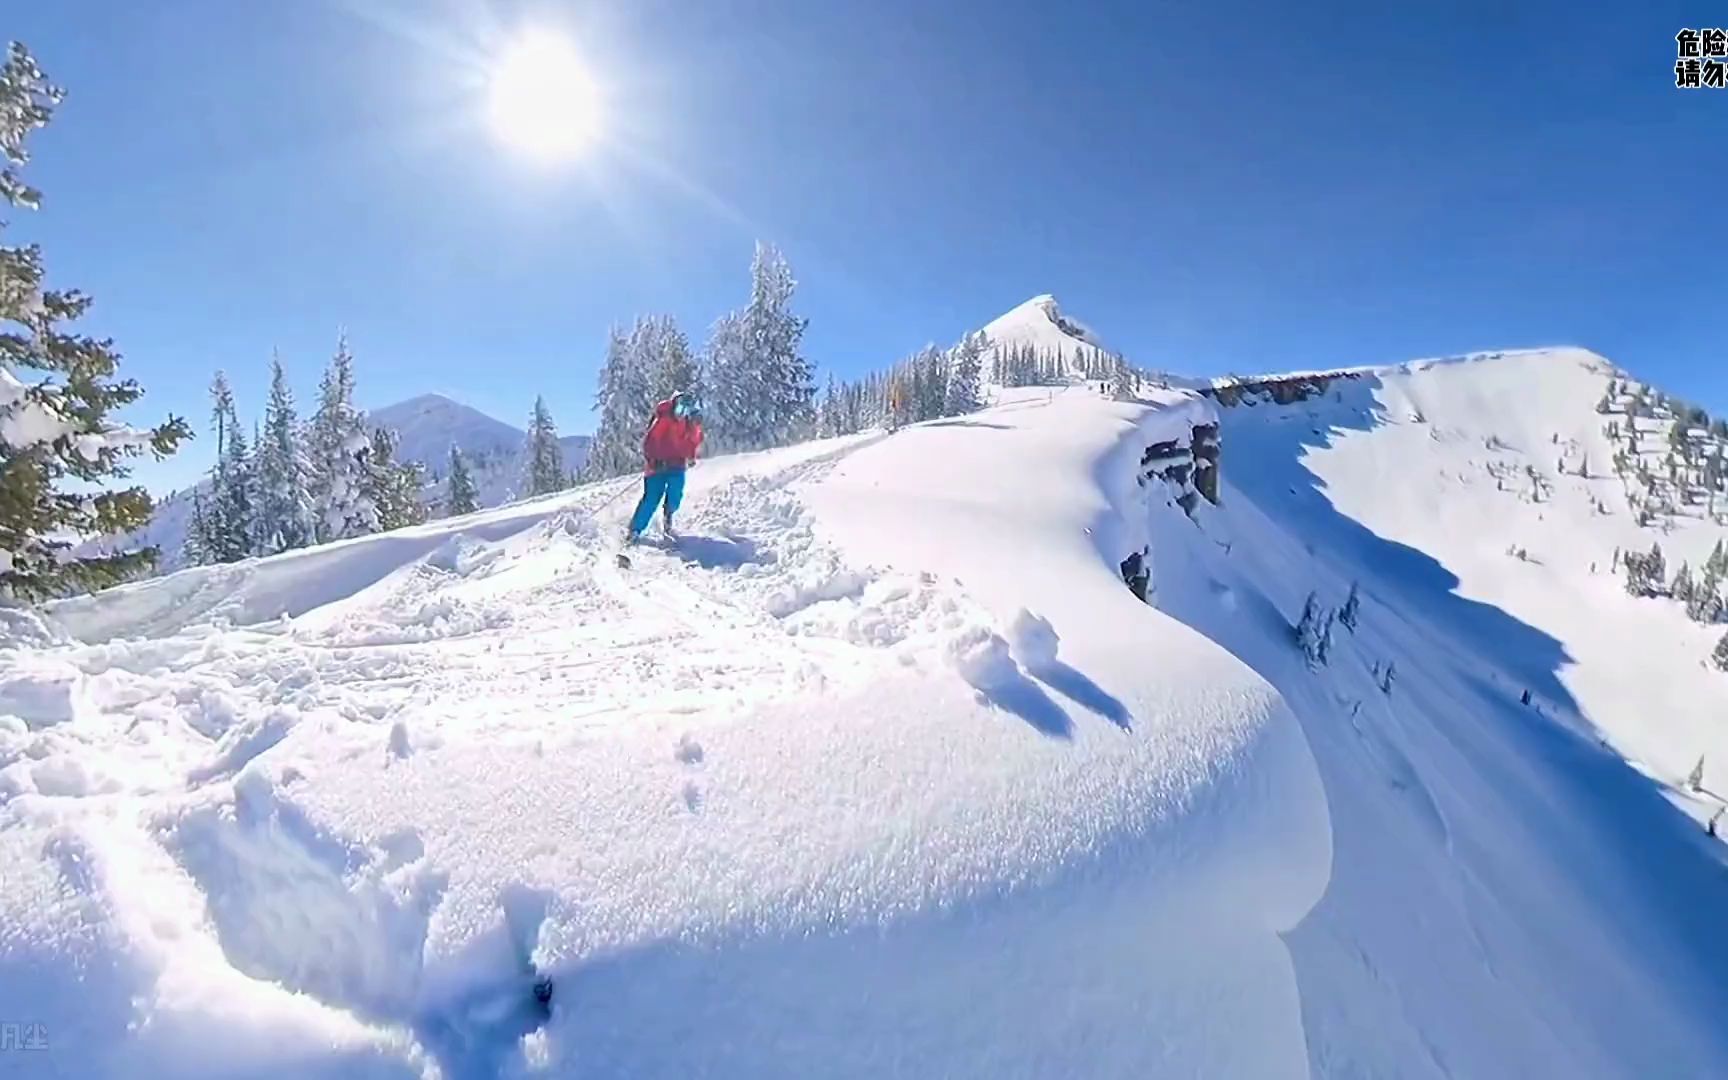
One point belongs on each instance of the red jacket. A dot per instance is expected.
(671, 442)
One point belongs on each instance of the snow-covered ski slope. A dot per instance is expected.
(882, 771)
(782, 800)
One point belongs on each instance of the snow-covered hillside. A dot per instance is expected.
(783, 799)
(1517, 889)
(883, 770)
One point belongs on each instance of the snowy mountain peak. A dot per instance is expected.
(1041, 323)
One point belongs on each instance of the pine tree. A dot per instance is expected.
(195, 551)
(229, 513)
(1705, 603)
(927, 380)
(1349, 613)
(625, 403)
(545, 457)
(828, 410)
(666, 358)
(284, 514)
(1126, 384)
(391, 486)
(338, 447)
(1682, 587)
(462, 499)
(763, 388)
(1720, 656)
(1313, 632)
(56, 426)
(965, 392)
(732, 393)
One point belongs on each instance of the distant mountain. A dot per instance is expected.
(426, 427)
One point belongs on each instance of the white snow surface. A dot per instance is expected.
(880, 770)
(781, 799)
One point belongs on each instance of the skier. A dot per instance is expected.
(670, 446)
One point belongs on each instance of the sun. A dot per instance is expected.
(541, 99)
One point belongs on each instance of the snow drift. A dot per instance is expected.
(880, 770)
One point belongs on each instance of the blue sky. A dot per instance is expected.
(1215, 187)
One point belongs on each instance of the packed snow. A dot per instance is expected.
(881, 769)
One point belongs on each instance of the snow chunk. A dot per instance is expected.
(982, 658)
(1034, 640)
(43, 691)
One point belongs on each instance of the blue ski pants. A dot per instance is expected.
(667, 484)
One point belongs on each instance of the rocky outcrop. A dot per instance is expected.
(1188, 465)
(1280, 389)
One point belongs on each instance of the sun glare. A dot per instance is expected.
(542, 100)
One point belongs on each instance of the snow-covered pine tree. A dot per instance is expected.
(1126, 383)
(1719, 657)
(1350, 612)
(1323, 643)
(1311, 630)
(1681, 588)
(56, 425)
(545, 469)
(393, 487)
(625, 402)
(462, 498)
(733, 397)
(782, 378)
(666, 358)
(228, 515)
(337, 449)
(284, 513)
(929, 383)
(828, 410)
(1705, 603)
(965, 369)
(195, 550)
